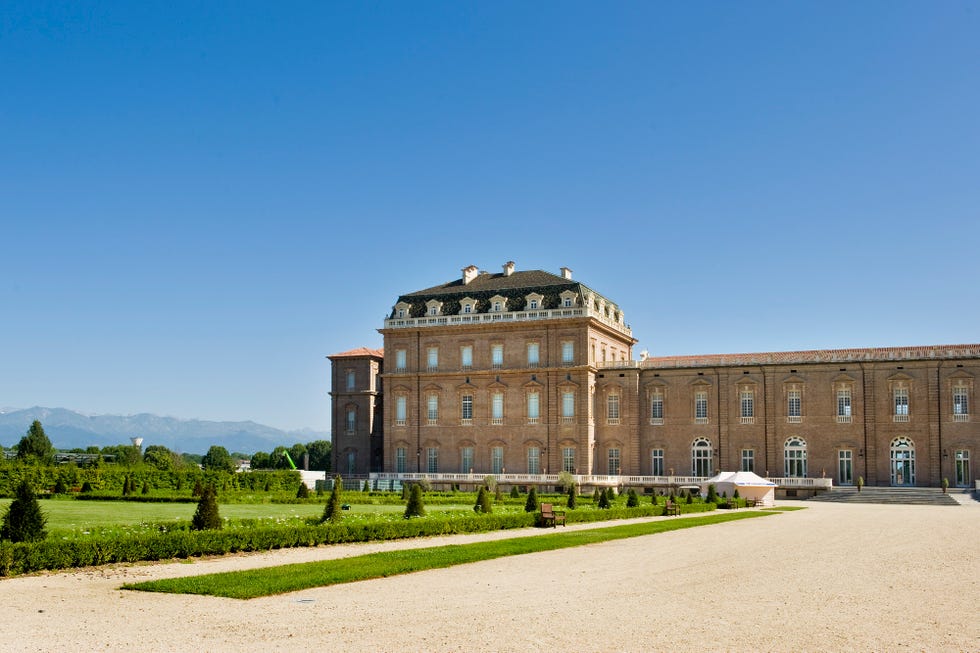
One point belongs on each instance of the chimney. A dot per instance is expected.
(566, 273)
(469, 273)
(508, 268)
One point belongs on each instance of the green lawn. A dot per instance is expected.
(290, 578)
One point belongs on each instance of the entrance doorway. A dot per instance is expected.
(963, 468)
(902, 462)
(845, 467)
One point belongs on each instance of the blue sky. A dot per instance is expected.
(200, 201)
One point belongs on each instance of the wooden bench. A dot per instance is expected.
(672, 508)
(552, 517)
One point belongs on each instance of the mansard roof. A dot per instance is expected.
(486, 282)
(869, 354)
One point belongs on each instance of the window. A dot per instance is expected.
(532, 305)
(567, 406)
(497, 408)
(533, 407)
(962, 460)
(351, 420)
(351, 463)
(533, 460)
(794, 458)
(496, 460)
(613, 461)
(466, 460)
(401, 410)
(612, 409)
(794, 407)
(701, 457)
(901, 397)
(844, 406)
(433, 310)
(567, 302)
(902, 462)
(845, 467)
(432, 460)
(466, 356)
(467, 308)
(532, 354)
(497, 307)
(401, 312)
(747, 406)
(432, 408)
(497, 356)
(466, 411)
(401, 360)
(432, 359)
(657, 460)
(748, 460)
(568, 459)
(351, 380)
(961, 405)
(567, 352)
(701, 407)
(657, 408)
(401, 456)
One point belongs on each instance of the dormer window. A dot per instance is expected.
(533, 304)
(467, 308)
(567, 302)
(402, 309)
(467, 305)
(498, 304)
(534, 301)
(433, 307)
(497, 307)
(568, 299)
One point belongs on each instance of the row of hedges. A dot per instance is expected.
(110, 479)
(27, 557)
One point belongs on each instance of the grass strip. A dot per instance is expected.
(267, 581)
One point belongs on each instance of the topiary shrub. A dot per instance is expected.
(712, 494)
(735, 494)
(415, 508)
(690, 498)
(332, 511)
(206, 517)
(146, 487)
(632, 501)
(302, 492)
(497, 494)
(515, 493)
(532, 500)
(406, 492)
(86, 487)
(367, 486)
(603, 501)
(483, 504)
(199, 489)
(23, 521)
(596, 496)
(572, 497)
(60, 487)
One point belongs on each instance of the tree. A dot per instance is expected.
(565, 479)
(319, 451)
(415, 508)
(332, 511)
(712, 494)
(296, 452)
(35, 445)
(532, 501)
(159, 457)
(632, 501)
(23, 521)
(596, 496)
(260, 460)
(303, 492)
(206, 517)
(514, 492)
(572, 497)
(218, 459)
(483, 501)
(603, 501)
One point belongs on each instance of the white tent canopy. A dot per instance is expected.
(749, 484)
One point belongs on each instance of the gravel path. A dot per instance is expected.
(833, 577)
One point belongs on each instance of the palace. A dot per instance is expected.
(531, 372)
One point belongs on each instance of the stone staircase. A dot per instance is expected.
(920, 496)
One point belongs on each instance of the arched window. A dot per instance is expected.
(902, 462)
(794, 458)
(701, 457)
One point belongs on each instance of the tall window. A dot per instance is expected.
(432, 408)
(568, 459)
(901, 397)
(496, 460)
(351, 420)
(432, 358)
(432, 460)
(567, 352)
(614, 462)
(401, 360)
(844, 405)
(401, 410)
(794, 458)
(962, 460)
(351, 463)
(612, 409)
(466, 413)
(567, 406)
(497, 356)
(497, 408)
(747, 406)
(748, 460)
(466, 356)
(701, 457)
(533, 352)
(401, 460)
(533, 407)
(845, 467)
(794, 407)
(466, 460)
(961, 405)
(657, 408)
(701, 407)
(902, 462)
(657, 467)
(351, 380)
(533, 460)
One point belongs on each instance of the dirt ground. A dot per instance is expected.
(833, 577)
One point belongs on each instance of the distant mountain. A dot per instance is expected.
(68, 429)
